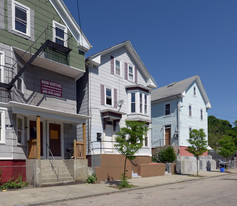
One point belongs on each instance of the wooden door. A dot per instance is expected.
(33, 134)
(55, 139)
(167, 135)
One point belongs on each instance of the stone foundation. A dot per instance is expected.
(188, 164)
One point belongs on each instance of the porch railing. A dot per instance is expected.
(78, 150)
(32, 148)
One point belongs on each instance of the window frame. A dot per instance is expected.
(2, 66)
(112, 96)
(131, 102)
(120, 67)
(201, 114)
(22, 131)
(167, 114)
(27, 9)
(3, 125)
(145, 103)
(133, 73)
(62, 27)
(194, 91)
(190, 110)
(141, 102)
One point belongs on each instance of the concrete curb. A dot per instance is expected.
(124, 190)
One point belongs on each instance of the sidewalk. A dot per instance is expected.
(35, 196)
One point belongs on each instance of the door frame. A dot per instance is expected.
(167, 127)
(28, 119)
(61, 136)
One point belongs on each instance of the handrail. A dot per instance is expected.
(53, 160)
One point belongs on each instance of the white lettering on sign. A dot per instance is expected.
(51, 88)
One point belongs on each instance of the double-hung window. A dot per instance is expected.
(167, 109)
(145, 103)
(117, 68)
(201, 114)
(2, 64)
(20, 129)
(59, 34)
(21, 18)
(141, 105)
(190, 110)
(108, 96)
(133, 103)
(130, 73)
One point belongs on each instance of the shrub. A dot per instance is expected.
(14, 184)
(91, 178)
(167, 155)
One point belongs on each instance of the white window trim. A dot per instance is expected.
(23, 130)
(121, 63)
(112, 96)
(137, 102)
(189, 111)
(133, 70)
(3, 129)
(201, 114)
(194, 91)
(2, 65)
(14, 3)
(61, 26)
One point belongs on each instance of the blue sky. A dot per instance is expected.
(175, 39)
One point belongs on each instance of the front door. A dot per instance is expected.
(33, 134)
(108, 139)
(55, 139)
(167, 135)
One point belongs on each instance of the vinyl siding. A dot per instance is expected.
(102, 75)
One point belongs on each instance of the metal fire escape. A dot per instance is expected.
(47, 44)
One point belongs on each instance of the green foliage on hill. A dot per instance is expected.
(218, 129)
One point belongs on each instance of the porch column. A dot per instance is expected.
(84, 139)
(38, 136)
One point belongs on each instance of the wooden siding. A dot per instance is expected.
(43, 14)
(159, 120)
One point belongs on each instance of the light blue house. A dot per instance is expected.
(177, 109)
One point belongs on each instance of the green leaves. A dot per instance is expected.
(167, 155)
(130, 138)
(226, 146)
(197, 142)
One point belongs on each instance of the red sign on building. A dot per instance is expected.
(51, 88)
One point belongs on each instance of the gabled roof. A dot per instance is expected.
(96, 60)
(71, 24)
(178, 89)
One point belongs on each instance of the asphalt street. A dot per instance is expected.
(213, 191)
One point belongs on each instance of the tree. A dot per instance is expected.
(227, 147)
(217, 128)
(130, 139)
(198, 143)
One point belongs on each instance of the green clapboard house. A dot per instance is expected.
(42, 52)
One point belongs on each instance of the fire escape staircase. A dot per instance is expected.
(48, 43)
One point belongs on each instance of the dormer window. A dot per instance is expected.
(59, 34)
(21, 18)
